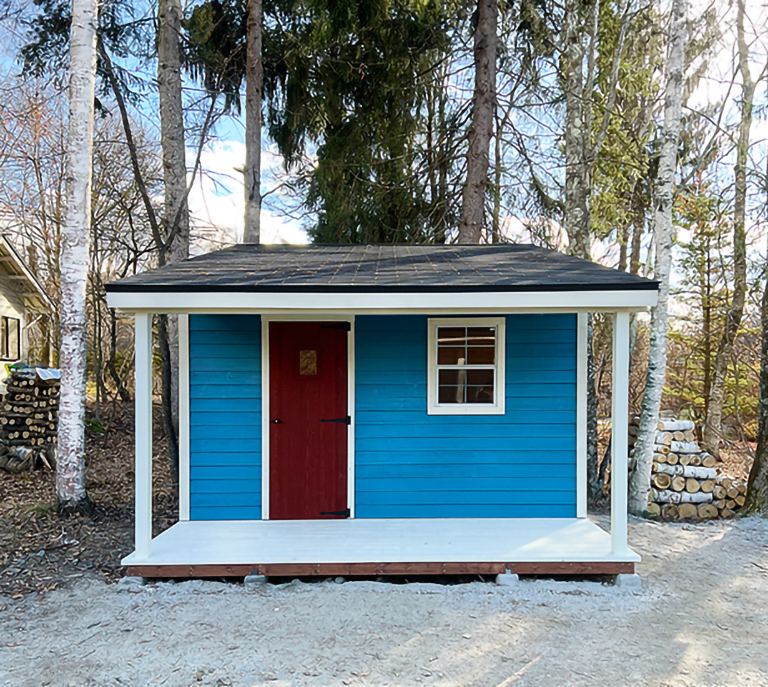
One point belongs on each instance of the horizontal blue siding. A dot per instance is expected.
(410, 464)
(225, 417)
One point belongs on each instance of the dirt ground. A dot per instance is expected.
(40, 551)
(701, 619)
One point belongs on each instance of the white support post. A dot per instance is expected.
(581, 415)
(619, 434)
(183, 417)
(143, 391)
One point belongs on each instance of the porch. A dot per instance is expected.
(543, 546)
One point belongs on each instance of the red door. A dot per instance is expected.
(308, 421)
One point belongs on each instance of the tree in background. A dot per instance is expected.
(481, 126)
(254, 84)
(71, 495)
(347, 88)
(757, 487)
(711, 428)
(662, 224)
(32, 200)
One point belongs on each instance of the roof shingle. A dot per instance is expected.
(382, 268)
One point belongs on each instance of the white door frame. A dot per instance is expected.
(265, 424)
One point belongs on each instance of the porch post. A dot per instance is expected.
(619, 438)
(582, 331)
(143, 391)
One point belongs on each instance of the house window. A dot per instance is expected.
(10, 337)
(466, 366)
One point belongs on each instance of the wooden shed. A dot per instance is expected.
(372, 409)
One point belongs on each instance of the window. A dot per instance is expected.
(10, 336)
(466, 366)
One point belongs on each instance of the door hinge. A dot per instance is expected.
(346, 326)
(346, 420)
(344, 512)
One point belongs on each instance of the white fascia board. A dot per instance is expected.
(39, 293)
(371, 303)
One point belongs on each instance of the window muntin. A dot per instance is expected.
(466, 366)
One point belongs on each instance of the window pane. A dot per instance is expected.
(451, 336)
(3, 337)
(481, 355)
(13, 339)
(481, 336)
(450, 377)
(451, 356)
(480, 377)
(451, 386)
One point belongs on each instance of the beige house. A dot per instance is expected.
(23, 301)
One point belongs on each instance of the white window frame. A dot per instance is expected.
(497, 408)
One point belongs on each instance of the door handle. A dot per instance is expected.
(277, 422)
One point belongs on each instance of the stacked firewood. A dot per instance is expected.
(28, 420)
(685, 482)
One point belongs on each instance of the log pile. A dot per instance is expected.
(685, 481)
(29, 414)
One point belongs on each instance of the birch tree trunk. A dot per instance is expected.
(71, 495)
(711, 430)
(176, 212)
(481, 128)
(254, 80)
(640, 482)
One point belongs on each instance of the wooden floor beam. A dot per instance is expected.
(380, 569)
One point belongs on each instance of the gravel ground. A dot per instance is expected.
(701, 619)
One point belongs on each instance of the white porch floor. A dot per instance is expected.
(413, 541)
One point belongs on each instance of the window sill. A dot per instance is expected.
(465, 410)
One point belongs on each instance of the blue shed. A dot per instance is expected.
(372, 410)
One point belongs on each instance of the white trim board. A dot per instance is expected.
(143, 435)
(582, 331)
(487, 302)
(265, 424)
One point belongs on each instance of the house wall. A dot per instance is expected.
(410, 464)
(12, 305)
(225, 417)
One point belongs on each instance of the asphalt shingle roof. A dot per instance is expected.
(382, 268)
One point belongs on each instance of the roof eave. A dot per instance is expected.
(370, 302)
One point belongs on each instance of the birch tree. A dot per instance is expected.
(254, 80)
(714, 402)
(71, 495)
(662, 227)
(481, 127)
